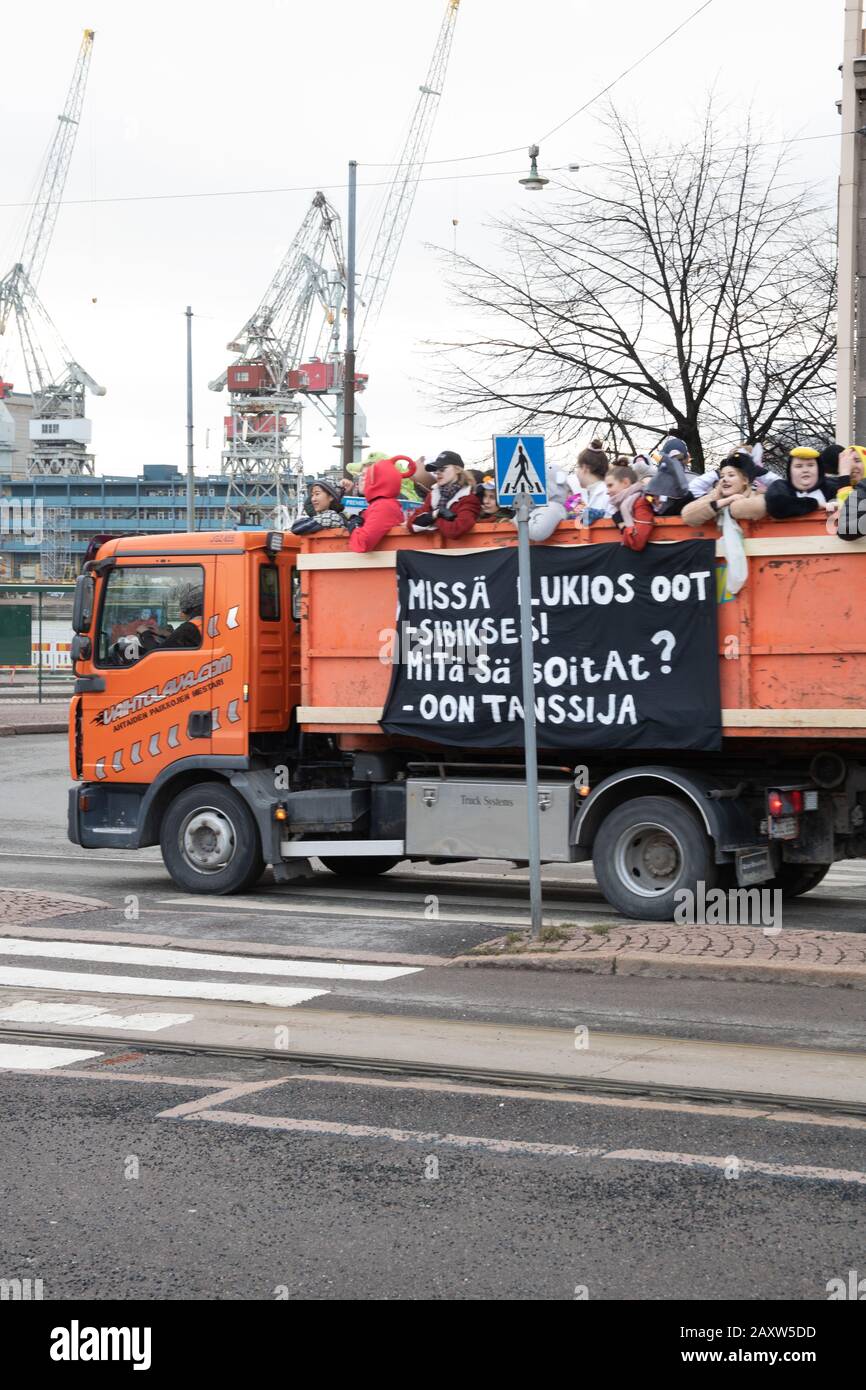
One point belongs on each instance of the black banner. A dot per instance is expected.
(625, 648)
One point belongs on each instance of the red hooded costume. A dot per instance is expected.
(382, 483)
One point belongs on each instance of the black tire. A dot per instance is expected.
(361, 867)
(210, 821)
(646, 851)
(795, 879)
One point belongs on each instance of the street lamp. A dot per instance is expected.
(535, 181)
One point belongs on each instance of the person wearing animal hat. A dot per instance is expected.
(326, 500)
(734, 489)
(805, 489)
(411, 484)
(382, 483)
(452, 506)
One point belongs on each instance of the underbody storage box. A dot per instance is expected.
(472, 818)
(329, 810)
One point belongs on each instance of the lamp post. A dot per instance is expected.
(190, 468)
(534, 182)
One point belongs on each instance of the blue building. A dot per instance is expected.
(47, 522)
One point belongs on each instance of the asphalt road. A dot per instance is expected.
(304, 1190)
(133, 1173)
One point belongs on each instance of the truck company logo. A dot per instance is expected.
(154, 696)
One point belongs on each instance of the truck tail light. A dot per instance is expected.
(786, 803)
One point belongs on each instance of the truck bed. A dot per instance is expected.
(791, 644)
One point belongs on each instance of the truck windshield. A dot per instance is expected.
(147, 602)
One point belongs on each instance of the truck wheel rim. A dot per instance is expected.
(207, 840)
(648, 859)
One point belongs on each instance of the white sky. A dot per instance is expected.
(194, 97)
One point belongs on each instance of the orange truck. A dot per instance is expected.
(260, 743)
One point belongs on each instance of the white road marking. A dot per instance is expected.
(24, 1057)
(166, 958)
(513, 1147)
(42, 1011)
(280, 996)
(313, 908)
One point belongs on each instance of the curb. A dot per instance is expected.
(10, 730)
(677, 967)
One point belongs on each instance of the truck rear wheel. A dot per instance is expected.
(648, 849)
(362, 867)
(794, 879)
(209, 841)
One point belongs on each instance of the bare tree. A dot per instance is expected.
(691, 291)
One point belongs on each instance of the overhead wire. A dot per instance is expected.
(515, 149)
(384, 183)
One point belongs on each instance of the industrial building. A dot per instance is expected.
(46, 522)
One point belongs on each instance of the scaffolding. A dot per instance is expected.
(55, 560)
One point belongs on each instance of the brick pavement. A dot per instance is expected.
(19, 906)
(741, 953)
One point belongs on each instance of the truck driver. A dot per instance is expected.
(188, 633)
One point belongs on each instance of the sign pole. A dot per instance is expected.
(522, 508)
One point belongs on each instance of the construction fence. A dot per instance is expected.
(35, 637)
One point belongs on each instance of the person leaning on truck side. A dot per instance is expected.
(490, 508)
(805, 489)
(326, 500)
(632, 512)
(452, 506)
(588, 483)
(382, 483)
(734, 490)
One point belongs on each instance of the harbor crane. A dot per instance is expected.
(276, 370)
(59, 430)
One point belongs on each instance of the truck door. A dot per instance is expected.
(229, 631)
(156, 705)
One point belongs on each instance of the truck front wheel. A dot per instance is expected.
(209, 841)
(646, 851)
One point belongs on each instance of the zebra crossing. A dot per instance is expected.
(31, 989)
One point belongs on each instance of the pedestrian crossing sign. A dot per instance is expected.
(520, 467)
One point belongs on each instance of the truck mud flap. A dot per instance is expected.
(753, 866)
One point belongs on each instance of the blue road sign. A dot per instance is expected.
(520, 467)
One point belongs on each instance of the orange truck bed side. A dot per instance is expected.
(791, 643)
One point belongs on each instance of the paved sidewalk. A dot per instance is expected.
(31, 718)
(699, 952)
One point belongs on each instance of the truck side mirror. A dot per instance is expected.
(82, 604)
